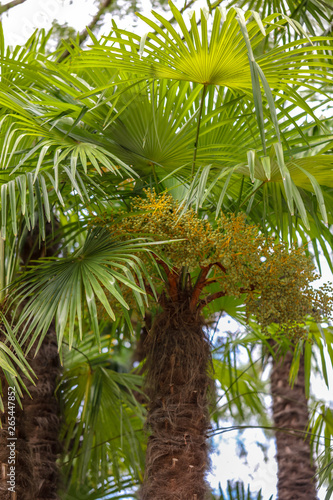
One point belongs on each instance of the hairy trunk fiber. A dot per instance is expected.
(20, 484)
(139, 354)
(290, 412)
(37, 428)
(177, 364)
(41, 419)
(37, 425)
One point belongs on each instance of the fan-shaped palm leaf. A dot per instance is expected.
(69, 283)
(219, 59)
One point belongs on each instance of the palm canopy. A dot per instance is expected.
(82, 137)
(69, 125)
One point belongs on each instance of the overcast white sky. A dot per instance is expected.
(19, 24)
(21, 21)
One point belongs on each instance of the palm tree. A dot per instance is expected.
(37, 425)
(39, 421)
(177, 351)
(262, 175)
(296, 470)
(86, 128)
(298, 426)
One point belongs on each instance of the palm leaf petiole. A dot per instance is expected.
(204, 92)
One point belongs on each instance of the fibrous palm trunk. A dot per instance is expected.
(16, 474)
(41, 419)
(37, 428)
(37, 425)
(178, 382)
(296, 469)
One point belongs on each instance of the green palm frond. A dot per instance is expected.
(220, 58)
(273, 215)
(226, 305)
(111, 490)
(42, 163)
(321, 439)
(29, 54)
(242, 393)
(314, 15)
(103, 421)
(242, 388)
(236, 491)
(321, 428)
(306, 173)
(12, 362)
(325, 472)
(69, 287)
(318, 350)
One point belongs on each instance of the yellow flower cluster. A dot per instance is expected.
(274, 279)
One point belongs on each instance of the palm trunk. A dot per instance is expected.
(177, 364)
(296, 469)
(41, 419)
(19, 485)
(37, 428)
(139, 354)
(37, 425)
